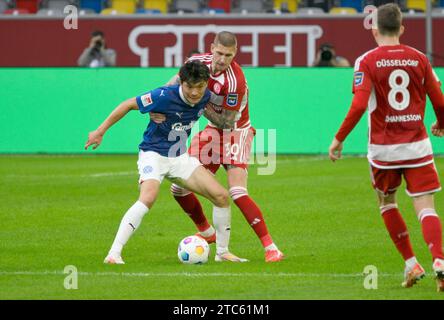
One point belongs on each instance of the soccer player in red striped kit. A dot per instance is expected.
(393, 81)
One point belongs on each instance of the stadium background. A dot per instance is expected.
(58, 210)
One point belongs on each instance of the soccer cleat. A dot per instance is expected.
(210, 239)
(228, 256)
(438, 269)
(411, 276)
(113, 259)
(273, 256)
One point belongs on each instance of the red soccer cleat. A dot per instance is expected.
(210, 239)
(438, 269)
(411, 276)
(273, 256)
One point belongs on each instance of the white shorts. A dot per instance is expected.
(154, 166)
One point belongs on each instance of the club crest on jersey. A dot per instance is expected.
(217, 88)
(359, 78)
(146, 99)
(232, 99)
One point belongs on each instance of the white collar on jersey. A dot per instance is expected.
(183, 97)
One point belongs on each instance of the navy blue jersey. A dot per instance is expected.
(169, 137)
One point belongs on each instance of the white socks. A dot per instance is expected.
(271, 247)
(410, 263)
(130, 222)
(222, 223)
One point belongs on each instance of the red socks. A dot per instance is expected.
(252, 213)
(432, 232)
(398, 230)
(191, 205)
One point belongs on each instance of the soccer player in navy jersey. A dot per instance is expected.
(163, 151)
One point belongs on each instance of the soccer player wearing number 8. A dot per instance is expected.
(393, 80)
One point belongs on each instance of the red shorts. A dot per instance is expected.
(420, 180)
(214, 147)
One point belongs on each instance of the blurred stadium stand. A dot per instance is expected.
(301, 7)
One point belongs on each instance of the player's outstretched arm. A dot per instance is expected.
(95, 137)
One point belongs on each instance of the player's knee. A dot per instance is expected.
(221, 198)
(386, 199)
(147, 199)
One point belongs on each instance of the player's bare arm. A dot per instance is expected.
(224, 120)
(174, 80)
(335, 150)
(95, 137)
(436, 131)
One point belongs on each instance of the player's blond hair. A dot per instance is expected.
(389, 19)
(226, 38)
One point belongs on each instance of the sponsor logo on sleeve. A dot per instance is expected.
(232, 99)
(146, 99)
(359, 78)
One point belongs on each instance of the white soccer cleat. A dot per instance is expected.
(438, 269)
(113, 259)
(228, 256)
(413, 275)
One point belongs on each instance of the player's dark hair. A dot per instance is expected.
(194, 72)
(226, 38)
(389, 19)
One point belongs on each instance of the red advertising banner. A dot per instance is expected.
(162, 41)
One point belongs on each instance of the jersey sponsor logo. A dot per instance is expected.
(232, 99)
(359, 78)
(162, 94)
(146, 99)
(403, 118)
(179, 114)
(178, 126)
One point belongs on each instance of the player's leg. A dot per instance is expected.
(188, 200)
(422, 183)
(152, 171)
(385, 183)
(237, 182)
(239, 151)
(132, 219)
(203, 182)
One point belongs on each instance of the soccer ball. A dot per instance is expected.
(193, 250)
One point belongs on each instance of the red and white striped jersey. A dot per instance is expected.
(398, 79)
(229, 90)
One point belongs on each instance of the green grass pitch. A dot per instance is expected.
(64, 210)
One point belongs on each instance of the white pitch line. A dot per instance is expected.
(196, 274)
(110, 174)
